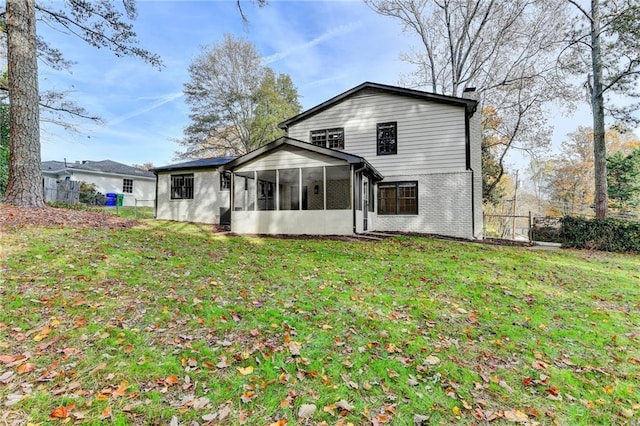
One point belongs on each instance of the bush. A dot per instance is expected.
(609, 234)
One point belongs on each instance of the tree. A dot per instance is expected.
(507, 50)
(99, 23)
(4, 147)
(611, 41)
(235, 101)
(623, 178)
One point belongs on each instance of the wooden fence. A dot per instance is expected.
(61, 191)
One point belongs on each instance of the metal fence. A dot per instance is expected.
(508, 227)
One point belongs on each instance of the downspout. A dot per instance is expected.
(232, 193)
(473, 197)
(353, 193)
(470, 93)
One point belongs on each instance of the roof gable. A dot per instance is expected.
(284, 140)
(470, 105)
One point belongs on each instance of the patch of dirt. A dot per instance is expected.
(16, 217)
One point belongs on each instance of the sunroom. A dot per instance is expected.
(293, 187)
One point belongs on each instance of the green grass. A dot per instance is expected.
(162, 320)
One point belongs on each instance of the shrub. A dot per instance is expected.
(609, 234)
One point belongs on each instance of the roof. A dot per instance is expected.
(196, 164)
(470, 105)
(285, 140)
(104, 166)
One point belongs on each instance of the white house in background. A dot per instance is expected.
(108, 177)
(374, 158)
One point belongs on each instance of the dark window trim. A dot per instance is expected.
(379, 143)
(124, 186)
(397, 185)
(185, 191)
(326, 140)
(225, 180)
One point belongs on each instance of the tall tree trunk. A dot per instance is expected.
(25, 176)
(597, 105)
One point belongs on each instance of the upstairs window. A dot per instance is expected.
(127, 186)
(328, 138)
(182, 187)
(387, 138)
(225, 180)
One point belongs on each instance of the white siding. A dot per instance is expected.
(143, 188)
(290, 157)
(205, 205)
(431, 135)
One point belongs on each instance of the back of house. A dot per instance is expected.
(395, 159)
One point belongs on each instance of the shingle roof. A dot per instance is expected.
(196, 164)
(104, 166)
(469, 104)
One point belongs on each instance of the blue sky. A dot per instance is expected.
(326, 47)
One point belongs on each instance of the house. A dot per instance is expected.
(374, 158)
(108, 177)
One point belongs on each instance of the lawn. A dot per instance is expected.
(169, 323)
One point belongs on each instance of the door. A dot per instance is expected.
(365, 204)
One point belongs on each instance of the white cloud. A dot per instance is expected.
(165, 99)
(327, 35)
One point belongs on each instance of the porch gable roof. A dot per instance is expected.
(285, 140)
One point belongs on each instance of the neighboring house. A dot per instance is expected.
(374, 158)
(108, 177)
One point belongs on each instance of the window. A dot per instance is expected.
(266, 190)
(181, 187)
(398, 198)
(328, 138)
(387, 138)
(127, 186)
(225, 180)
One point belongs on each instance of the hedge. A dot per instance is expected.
(609, 234)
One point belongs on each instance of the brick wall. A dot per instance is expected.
(444, 206)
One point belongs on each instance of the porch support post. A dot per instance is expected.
(300, 188)
(324, 187)
(352, 180)
(255, 193)
(277, 190)
(232, 192)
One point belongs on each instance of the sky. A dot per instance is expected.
(326, 47)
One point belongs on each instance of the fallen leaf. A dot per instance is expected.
(171, 380)
(62, 412)
(121, 389)
(294, 348)
(306, 411)
(106, 413)
(281, 422)
(516, 416)
(27, 367)
(42, 334)
(13, 399)
(344, 405)
(245, 371)
(420, 420)
(539, 365)
(6, 377)
(431, 360)
(224, 363)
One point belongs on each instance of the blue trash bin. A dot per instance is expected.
(111, 199)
